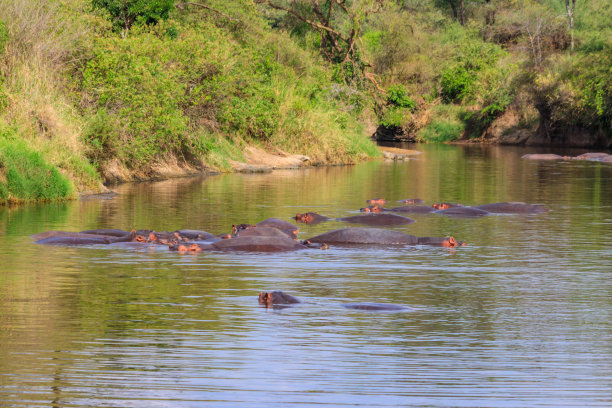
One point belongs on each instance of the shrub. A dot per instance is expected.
(25, 176)
(445, 126)
(398, 96)
(458, 79)
(126, 12)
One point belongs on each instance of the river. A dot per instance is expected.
(520, 317)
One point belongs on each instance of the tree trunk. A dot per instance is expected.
(570, 15)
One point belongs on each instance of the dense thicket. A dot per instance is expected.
(542, 65)
(119, 88)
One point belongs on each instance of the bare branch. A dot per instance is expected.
(313, 24)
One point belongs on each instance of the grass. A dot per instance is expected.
(26, 176)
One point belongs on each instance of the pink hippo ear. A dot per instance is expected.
(452, 241)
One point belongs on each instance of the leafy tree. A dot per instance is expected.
(126, 12)
(340, 26)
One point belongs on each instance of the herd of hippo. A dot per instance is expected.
(600, 157)
(275, 235)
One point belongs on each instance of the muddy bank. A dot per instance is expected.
(509, 129)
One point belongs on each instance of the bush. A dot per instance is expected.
(124, 13)
(25, 176)
(458, 79)
(398, 96)
(446, 125)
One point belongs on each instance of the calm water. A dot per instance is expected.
(521, 317)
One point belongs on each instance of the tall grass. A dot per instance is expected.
(43, 39)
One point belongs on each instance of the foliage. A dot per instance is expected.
(458, 79)
(445, 126)
(398, 96)
(124, 13)
(4, 36)
(24, 174)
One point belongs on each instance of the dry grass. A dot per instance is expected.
(43, 42)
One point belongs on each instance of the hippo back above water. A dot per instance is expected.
(378, 219)
(390, 307)
(512, 208)
(356, 236)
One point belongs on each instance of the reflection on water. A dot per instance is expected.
(520, 317)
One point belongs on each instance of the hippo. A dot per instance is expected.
(543, 157)
(285, 226)
(376, 307)
(467, 212)
(262, 232)
(165, 237)
(276, 298)
(512, 208)
(240, 227)
(592, 156)
(411, 201)
(444, 206)
(377, 201)
(246, 244)
(310, 218)
(415, 209)
(194, 234)
(372, 209)
(447, 242)
(352, 236)
(107, 232)
(378, 219)
(78, 238)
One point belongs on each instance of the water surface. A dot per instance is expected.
(522, 316)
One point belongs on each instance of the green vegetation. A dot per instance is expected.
(116, 89)
(25, 176)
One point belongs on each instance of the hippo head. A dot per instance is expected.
(451, 242)
(306, 218)
(380, 201)
(237, 228)
(265, 299)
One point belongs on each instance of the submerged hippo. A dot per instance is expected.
(512, 208)
(277, 298)
(285, 226)
(378, 219)
(378, 236)
(592, 156)
(195, 234)
(376, 307)
(444, 206)
(107, 232)
(310, 218)
(262, 232)
(411, 201)
(463, 212)
(415, 209)
(372, 209)
(244, 244)
(447, 242)
(545, 156)
(79, 238)
(377, 201)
